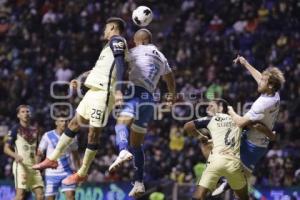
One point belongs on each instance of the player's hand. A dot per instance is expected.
(203, 139)
(230, 110)
(241, 60)
(118, 98)
(74, 84)
(18, 159)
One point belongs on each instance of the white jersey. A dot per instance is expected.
(48, 144)
(103, 74)
(265, 110)
(146, 65)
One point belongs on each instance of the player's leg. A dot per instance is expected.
(38, 193)
(122, 132)
(20, 194)
(242, 194)
(67, 137)
(136, 141)
(200, 193)
(64, 141)
(237, 179)
(89, 155)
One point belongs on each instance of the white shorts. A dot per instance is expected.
(96, 106)
(54, 183)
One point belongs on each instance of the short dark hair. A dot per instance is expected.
(223, 103)
(22, 106)
(121, 24)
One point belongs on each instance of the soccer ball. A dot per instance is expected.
(142, 16)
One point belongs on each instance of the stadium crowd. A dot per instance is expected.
(45, 41)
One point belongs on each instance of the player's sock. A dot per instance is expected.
(64, 141)
(89, 155)
(138, 154)
(122, 133)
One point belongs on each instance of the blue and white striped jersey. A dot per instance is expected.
(48, 144)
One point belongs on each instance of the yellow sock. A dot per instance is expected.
(89, 156)
(63, 142)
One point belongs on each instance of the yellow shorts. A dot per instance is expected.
(229, 168)
(26, 178)
(96, 106)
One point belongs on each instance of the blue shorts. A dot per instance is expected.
(250, 153)
(54, 183)
(141, 107)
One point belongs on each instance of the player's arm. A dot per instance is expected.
(118, 47)
(74, 83)
(192, 128)
(42, 148)
(8, 146)
(170, 81)
(240, 121)
(264, 129)
(254, 72)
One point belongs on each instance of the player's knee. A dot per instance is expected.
(74, 125)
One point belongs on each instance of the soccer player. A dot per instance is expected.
(21, 146)
(224, 158)
(147, 64)
(265, 109)
(54, 177)
(97, 103)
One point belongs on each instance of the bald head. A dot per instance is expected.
(142, 37)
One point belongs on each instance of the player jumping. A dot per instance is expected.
(147, 64)
(97, 103)
(23, 139)
(54, 177)
(224, 158)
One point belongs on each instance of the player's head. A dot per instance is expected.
(114, 26)
(217, 106)
(142, 37)
(24, 113)
(61, 123)
(271, 81)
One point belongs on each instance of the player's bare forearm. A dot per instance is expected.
(264, 130)
(238, 120)
(8, 151)
(170, 80)
(39, 156)
(254, 72)
(191, 130)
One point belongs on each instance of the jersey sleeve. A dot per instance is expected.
(256, 112)
(202, 122)
(118, 47)
(43, 143)
(12, 136)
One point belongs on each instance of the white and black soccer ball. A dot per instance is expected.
(142, 16)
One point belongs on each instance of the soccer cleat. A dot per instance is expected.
(74, 179)
(137, 190)
(123, 156)
(219, 190)
(47, 163)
